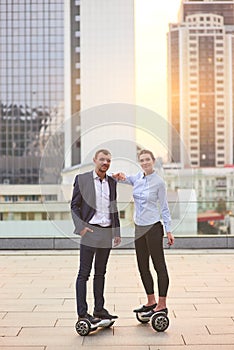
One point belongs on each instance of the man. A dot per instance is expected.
(96, 220)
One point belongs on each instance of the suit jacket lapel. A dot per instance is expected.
(91, 191)
(111, 188)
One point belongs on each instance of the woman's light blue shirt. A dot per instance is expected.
(149, 192)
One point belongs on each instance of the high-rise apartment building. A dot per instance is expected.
(31, 84)
(201, 83)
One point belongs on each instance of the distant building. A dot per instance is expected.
(34, 210)
(201, 83)
(31, 85)
(211, 185)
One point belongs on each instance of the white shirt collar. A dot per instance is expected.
(95, 176)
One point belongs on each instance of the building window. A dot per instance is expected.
(51, 197)
(31, 198)
(51, 216)
(44, 216)
(122, 214)
(31, 216)
(11, 198)
(23, 216)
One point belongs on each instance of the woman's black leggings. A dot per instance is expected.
(149, 243)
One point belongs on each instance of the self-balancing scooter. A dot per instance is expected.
(159, 320)
(84, 326)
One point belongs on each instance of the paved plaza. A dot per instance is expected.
(37, 302)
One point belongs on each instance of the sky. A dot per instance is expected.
(152, 24)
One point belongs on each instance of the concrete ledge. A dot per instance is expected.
(73, 242)
(202, 242)
(230, 241)
(26, 243)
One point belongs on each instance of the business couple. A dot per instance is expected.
(95, 215)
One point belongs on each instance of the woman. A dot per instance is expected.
(148, 191)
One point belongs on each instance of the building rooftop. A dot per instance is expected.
(38, 312)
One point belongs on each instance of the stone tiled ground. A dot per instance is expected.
(37, 302)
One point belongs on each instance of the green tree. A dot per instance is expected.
(221, 207)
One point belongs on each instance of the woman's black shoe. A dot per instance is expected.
(144, 308)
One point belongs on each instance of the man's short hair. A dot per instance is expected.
(104, 151)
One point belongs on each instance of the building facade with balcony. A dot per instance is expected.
(212, 186)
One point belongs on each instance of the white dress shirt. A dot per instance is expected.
(150, 197)
(102, 215)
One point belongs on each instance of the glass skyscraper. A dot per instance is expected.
(31, 84)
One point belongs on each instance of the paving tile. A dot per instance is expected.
(9, 331)
(14, 319)
(45, 331)
(40, 295)
(222, 300)
(16, 307)
(204, 321)
(71, 340)
(217, 307)
(32, 301)
(10, 294)
(23, 348)
(182, 301)
(204, 313)
(193, 347)
(221, 329)
(100, 347)
(65, 322)
(54, 308)
(225, 339)
(205, 294)
(45, 283)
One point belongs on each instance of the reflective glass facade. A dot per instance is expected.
(31, 84)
